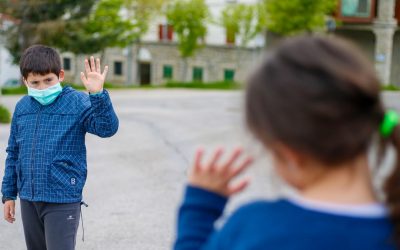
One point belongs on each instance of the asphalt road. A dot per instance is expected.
(136, 178)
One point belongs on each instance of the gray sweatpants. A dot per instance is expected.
(50, 226)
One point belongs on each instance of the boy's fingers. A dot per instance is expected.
(238, 187)
(87, 67)
(98, 69)
(92, 64)
(105, 72)
(7, 214)
(83, 78)
(12, 211)
(235, 172)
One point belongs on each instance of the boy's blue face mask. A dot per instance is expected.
(45, 96)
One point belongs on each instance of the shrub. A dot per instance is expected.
(201, 85)
(5, 116)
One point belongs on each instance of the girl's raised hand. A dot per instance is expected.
(217, 177)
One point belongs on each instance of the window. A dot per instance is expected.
(356, 10)
(118, 68)
(229, 75)
(168, 72)
(397, 10)
(165, 32)
(67, 63)
(197, 74)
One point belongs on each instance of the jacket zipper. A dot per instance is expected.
(32, 154)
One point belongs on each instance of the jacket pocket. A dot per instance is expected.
(67, 177)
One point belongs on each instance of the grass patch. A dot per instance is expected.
(390, 87)
(201, 85)
(5, 116)
(222, 85)
(22, 90)
(14, 90)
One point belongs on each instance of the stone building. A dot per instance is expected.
(157, 63)
(372, 24)
(157, 59)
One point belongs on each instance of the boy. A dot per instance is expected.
(46, 161)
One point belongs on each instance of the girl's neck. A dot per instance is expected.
(346, 184)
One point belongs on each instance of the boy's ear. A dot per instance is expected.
(61, 75)
(25, 81)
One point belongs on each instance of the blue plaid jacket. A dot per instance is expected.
(46, 158)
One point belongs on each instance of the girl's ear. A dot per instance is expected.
(290, 165)
(289, 156)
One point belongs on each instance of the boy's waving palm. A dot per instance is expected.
(94, 79)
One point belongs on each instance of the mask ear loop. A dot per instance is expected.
(83, 228)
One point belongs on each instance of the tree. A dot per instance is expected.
(244, 20)
(287, 17)
(188, 18)
(40, 21)
(80, 27)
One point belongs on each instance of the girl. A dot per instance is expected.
(315, 104)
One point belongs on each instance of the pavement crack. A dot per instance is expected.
(158, 132)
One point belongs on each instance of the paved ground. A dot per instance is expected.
(135, 178)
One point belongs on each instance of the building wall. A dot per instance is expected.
(212, 59)
(395, 69)
(365, 39)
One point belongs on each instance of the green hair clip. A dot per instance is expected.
(390, 121)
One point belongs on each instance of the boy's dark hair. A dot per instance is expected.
(320, 97)
(40, 59)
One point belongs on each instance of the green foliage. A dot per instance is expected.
(287, 17)
(5, 116)
(113, 23)
(390, 87)
(244, 20)
(188, 17)
(222, 85)
(14, 90)
(41, 21)
(81, 27)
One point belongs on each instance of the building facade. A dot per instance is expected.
(156, 60)
(373, 25)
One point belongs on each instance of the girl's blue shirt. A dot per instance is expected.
(279, 224)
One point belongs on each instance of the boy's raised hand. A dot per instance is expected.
(217, 177)
(94, 79)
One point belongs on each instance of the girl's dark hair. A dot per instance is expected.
(40, 59)
(320, 96)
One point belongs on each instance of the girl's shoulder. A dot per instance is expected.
(265, 209)
(285, 211)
